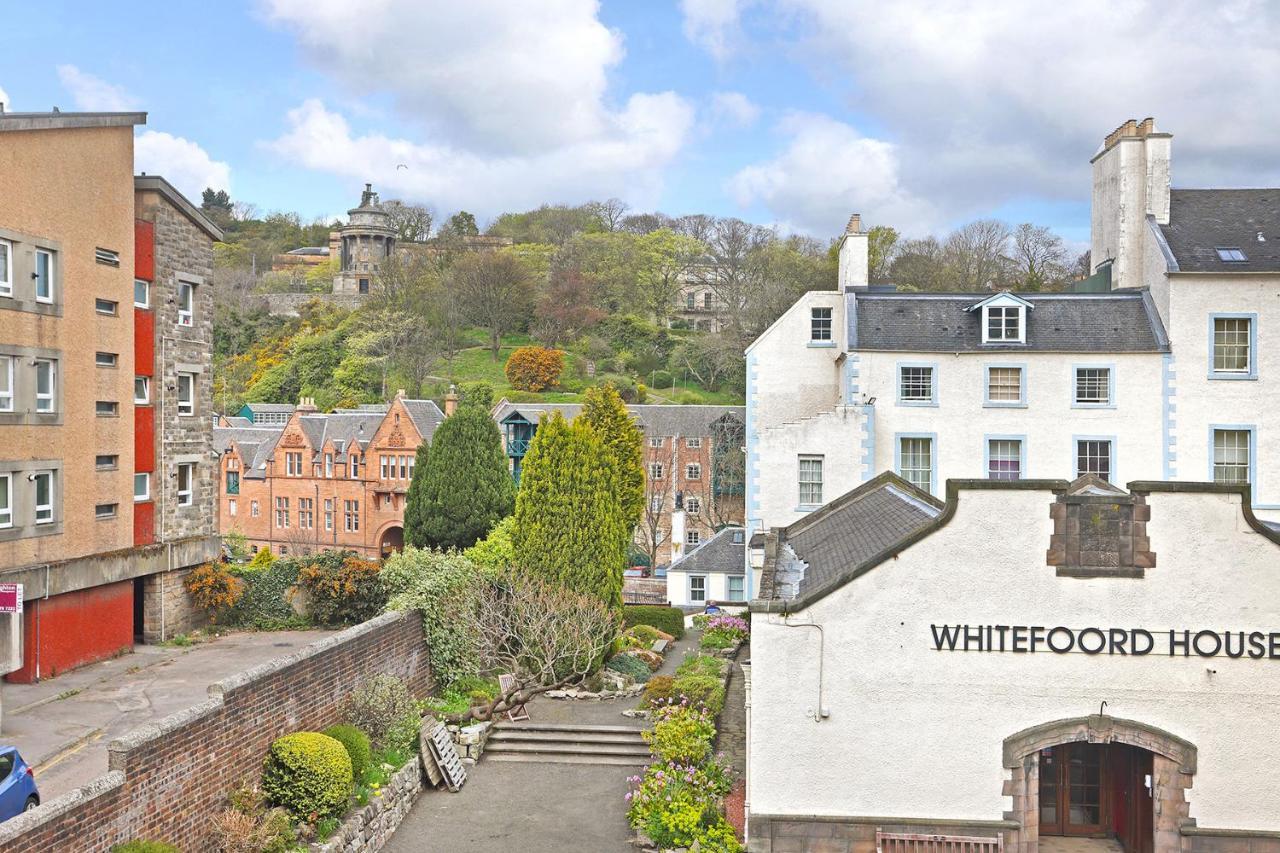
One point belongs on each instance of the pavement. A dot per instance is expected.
(535, 807)
(62, 725)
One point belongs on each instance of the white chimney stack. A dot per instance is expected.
(853, 255)
(1130, 183)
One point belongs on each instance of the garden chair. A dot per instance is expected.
(507, 682)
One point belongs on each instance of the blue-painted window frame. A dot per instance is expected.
(1075, 454)
(933, 456)
(1111, 384)
(1022, 453)
(1252, 429)
(988, 403)
(822, 459)
(1252, 373)
(931, 403)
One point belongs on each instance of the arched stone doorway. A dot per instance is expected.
(1128, 780)
(391, 541)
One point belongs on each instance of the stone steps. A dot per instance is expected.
(567, 744)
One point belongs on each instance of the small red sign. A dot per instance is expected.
(10, 598)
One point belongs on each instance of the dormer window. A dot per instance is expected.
(1004, 318)
(1004, 324)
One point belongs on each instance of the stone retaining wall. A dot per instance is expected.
(168, 779)
(369, 828)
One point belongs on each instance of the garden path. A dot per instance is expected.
(535, 807)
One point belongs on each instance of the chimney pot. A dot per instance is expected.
(451, 401)
(855, 224)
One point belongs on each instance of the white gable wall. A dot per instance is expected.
(914, 732)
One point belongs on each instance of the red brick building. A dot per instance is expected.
(323, 481)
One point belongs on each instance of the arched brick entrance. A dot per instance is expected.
(1173, 765)
(391, 540)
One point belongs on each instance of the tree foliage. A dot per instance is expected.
(570, 526)
(461, 487)
(534, 368)
(495, 291)
(604, 412)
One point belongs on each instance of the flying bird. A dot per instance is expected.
(401, 166)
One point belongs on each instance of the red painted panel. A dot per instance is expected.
(75, 628)
(144, 438)
(144, 522)
(144, 250)
(144, 342)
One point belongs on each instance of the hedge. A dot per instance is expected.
(309, 775)
(357, 746)
(668, 619)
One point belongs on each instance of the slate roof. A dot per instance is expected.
(1119, 321)
(1201, 221)
(270, 407)
(818, 550)
(724, 553)
(255, 444)
(654, 418)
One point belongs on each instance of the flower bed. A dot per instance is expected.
(723, 633)
(679, 799)
(367, 829)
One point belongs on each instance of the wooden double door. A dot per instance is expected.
(1098, 790)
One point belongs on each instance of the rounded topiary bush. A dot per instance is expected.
(309, 775)
(357, 745)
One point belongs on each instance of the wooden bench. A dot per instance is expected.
(660, 645)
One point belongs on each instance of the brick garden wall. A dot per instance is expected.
(167, 780)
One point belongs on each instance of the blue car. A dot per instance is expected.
(18, 791)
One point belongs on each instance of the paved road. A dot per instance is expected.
(62, 725)
(530, 808)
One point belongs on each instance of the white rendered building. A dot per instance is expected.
(1157, 375)
(1098, 664)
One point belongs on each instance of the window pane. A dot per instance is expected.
(1231, 344)
(810, 481)
(6, 383)
(820, 324)
(916, 383)
(1093, 457)
(44, 275)
(1004, 384)
(1231, 456)
(1004, 459)
(916, 458)
(141, 293)
(1093, 385)
(1002, 323)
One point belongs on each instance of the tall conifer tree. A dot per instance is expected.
(604, 411)
(464, 487)
(569, 522)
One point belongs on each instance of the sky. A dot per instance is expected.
(920, 114)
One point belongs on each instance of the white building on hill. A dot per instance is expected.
(1162, 373)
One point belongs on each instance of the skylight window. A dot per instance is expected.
(1231, 255)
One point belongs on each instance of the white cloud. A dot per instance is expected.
(93, 93)
(714, 25)
(734, 108)
(626, 160)
(181, 162)
(488, 74)
(506, 103)
(827, 171)
(988, 105)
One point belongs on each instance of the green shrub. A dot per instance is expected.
(629, 665)
(647, 634)
(477, 688)
(660, 379)
(309, 775)
(667, 619)
(383, 709)
(138, 846)
(342, 588)
(444, 587)
(701, 665)
(659, 690)
(704, 690)
(681, 734)
(356, 743)
(265, 603)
